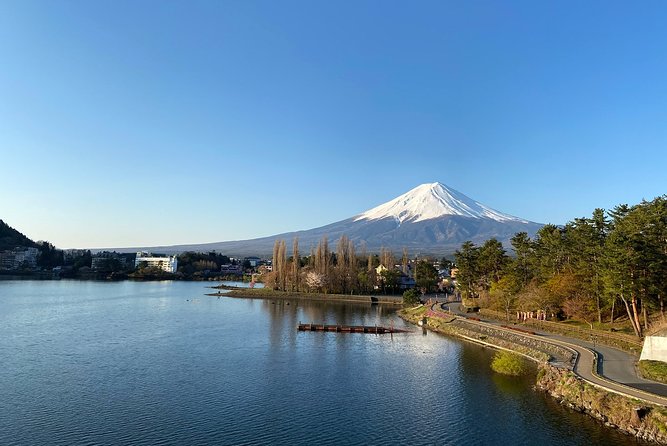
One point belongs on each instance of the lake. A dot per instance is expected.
(146, 363)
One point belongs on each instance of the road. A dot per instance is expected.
(616, 369)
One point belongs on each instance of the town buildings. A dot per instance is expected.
(69, 255)
(165, 263)
(253, 261)
(231, 269)
(19, 258)
(105, 260)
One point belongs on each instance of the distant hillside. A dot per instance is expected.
(10, 238)
(430, 219)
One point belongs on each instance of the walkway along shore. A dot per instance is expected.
(567, 370)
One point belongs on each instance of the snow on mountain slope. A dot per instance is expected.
(433, 200)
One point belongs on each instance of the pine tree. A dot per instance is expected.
(522, 265)
(467, 262)
(491, 261)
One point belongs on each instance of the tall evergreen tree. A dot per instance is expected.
(427, 276)
(467, 262)
(550, 252)
(491, 262)
(524, 258)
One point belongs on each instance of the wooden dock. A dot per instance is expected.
(373, 329)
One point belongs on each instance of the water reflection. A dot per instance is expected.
(510, 385)
(94, 363)
(285, 315)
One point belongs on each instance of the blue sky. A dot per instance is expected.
(152, 122)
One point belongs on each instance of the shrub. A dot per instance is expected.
(410, 297)
(509, 363)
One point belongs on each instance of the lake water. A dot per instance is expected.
(161, 363)
(242, 284)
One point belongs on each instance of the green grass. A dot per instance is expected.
(416, 312)
(654, 370)
(508, 363)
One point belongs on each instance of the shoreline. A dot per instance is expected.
(556, 377)
(265, 293)
(103, 277)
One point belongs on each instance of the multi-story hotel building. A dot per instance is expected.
(165, 263)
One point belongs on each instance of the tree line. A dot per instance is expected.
(584, 270)
(344, 269)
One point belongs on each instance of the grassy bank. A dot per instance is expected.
(653, 370)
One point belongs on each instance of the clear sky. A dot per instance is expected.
(126, 123)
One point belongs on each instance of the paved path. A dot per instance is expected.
(616, 365)
(616, 369)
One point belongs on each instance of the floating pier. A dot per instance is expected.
(374, 329)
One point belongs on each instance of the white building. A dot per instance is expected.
(254, 261)
(655, 347)
(166, 263)
(19, 258)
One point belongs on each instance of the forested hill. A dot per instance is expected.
(10, 238)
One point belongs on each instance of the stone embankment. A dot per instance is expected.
(555, 375)
(616, 340)
(485, 334)
(639, 419)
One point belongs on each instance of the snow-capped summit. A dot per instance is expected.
(433, 200)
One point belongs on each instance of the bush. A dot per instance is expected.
(509, 363)
(410, 298)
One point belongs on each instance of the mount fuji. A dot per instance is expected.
(429, 219)
(433, 201)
